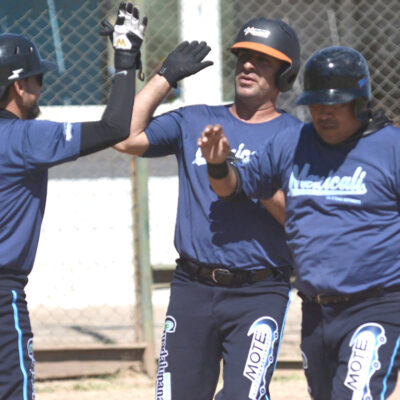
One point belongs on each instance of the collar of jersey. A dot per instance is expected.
(7, 114)
(378, 122)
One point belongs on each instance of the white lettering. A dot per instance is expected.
(313, 185)
(241, 153)
(67, 131)
(163, 378)
(251, 30)
(364, 359)
(261, 354)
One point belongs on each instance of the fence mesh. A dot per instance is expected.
(67, 33)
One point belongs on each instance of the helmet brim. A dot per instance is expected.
(42, 68)
(262, 48)
(47, 66)
(327, 97)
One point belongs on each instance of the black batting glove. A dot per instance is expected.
(126, 36)
(184, 61)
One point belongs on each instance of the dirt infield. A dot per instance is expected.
(286, 384)
(135, 386)
(128, 385)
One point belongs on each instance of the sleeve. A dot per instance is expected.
(114, 125)
(257, 177)
(164, 134)
(45, 143)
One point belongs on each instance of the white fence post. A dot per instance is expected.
(200, 20)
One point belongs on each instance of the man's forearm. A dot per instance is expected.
(276, 206)
(185, 60)
(114, 125)
(146, 102)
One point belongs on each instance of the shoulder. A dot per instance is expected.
(291, 131)
(21, 126)
(204, 110)
(385, 135)
(283, 125)
(391, 130)
(290, 120)
(184, 111)
(285, 142)
(42, 124)
(199, 114)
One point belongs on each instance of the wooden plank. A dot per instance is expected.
(53, 363)
(78, 369)
(289, 364)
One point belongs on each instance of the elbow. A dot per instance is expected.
(221, 191)
(121, 147)
(119, 132)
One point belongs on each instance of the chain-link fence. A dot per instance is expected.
(67, 32)
(82, 288)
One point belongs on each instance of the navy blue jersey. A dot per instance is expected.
(342, 212)
(27, 149)
(233, 234)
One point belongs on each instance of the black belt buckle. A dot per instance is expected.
(323, 300)
(223, 272)
(319, 298)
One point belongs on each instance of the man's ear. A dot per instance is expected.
(18, 87)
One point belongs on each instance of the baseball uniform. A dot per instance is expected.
(343, 228)
(238, 316)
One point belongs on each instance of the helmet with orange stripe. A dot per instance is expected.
(275, 38)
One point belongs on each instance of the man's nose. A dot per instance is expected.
(248, 64)
(325, 111)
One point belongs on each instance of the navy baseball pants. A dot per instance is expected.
(206, 323)
(16, 350)
(351, 350)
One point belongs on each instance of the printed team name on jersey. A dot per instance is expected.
(264, 332)
(301, 183)
(241, 152)
(364, 359)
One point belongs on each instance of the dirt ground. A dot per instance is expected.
(136, 386)
(286, 385)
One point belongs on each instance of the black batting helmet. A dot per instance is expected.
(336, 75)
(19, 58)
(277, 39)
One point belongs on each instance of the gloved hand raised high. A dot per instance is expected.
(126, 36)
(184, 61)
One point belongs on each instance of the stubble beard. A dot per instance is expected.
(33, 111)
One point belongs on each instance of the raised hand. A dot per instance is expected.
(126, 36)
(185, 60)
(214, 144)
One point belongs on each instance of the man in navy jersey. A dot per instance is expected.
(341, 178)
(230, 291)
(28, 148)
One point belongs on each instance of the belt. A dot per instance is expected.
(323, 299)
(224, 276)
